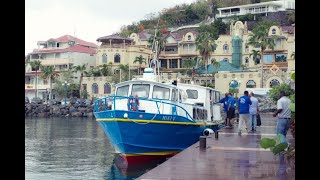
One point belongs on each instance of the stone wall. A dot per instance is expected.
(44, 110)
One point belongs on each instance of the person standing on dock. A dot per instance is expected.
(244, 103)
(253, 110)
(231, 110)
(224, 101)
(284, 115)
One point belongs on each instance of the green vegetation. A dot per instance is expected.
(35, 65)
(48, 72)
(140, 60)
(274, 93)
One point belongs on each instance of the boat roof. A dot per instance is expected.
(145, 82)
(195, 86)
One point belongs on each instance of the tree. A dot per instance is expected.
(189, 64)
(259, 38)
(140, 59)
(82, 69)
(35, 65)
(205, 44)
(48, 72)
(159, 37)
(125, 70)
(256, 56)
(104, 69)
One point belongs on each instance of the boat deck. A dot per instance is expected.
(228, 157)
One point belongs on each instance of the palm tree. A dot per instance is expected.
(140, 59)
(82, 69)
(161, 42)
(125, 69)
(48, 72)
(104, 69)
(36, 66)
(255, 54)
(205, 45)
(189, 63)
(259, 38)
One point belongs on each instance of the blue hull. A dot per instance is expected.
(150, 134)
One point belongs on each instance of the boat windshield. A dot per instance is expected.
(140, 90)
(122, 91)
(160, 92)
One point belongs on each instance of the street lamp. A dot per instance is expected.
(65, 84)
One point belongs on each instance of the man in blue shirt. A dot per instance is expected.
(224, 101)
(244, 103)
(231, 110)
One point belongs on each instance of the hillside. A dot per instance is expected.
(183, 14)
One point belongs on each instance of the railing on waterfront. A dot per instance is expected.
(104, 104)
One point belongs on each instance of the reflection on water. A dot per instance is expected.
(74, 148)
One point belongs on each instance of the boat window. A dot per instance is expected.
(192, 94)
(123, 90)
(141, 90)
(160, 92)
(174, 95)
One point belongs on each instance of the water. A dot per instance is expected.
(73, 148)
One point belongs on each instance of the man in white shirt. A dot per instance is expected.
(253, 110)
(284, 115)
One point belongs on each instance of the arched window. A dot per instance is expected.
(246, 60)
(107, 88)
(274, 82)
(274, 31)
(117, 58)
(104, 58)
(251, 84)
(226, 59)
(234, 84)
(95, 88)
(189, 37)
(225, 48)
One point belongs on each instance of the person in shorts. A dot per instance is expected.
(231, 110)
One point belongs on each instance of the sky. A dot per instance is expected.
(86, 19)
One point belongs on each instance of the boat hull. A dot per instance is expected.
(146, 136)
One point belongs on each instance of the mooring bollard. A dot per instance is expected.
(216, 134)
(203, 142)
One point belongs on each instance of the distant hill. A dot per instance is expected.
(183, 14)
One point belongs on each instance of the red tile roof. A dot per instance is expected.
(75, 48)
(67, 38)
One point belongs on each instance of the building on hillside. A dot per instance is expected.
(263, 8)
(62, 53)
(113, 51)
(278, 63)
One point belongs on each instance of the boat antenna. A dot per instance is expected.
(154, 50)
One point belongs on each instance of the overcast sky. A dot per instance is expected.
(88, 19)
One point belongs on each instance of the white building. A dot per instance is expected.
(258, 8)
(62, 53)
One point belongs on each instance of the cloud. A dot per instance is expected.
(88, 19)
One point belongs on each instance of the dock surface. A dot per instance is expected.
(229, 157)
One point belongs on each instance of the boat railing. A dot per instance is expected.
(109, 104)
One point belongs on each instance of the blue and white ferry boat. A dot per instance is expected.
(146, 119)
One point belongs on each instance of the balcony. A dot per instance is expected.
(39, 86)
(56, 61)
